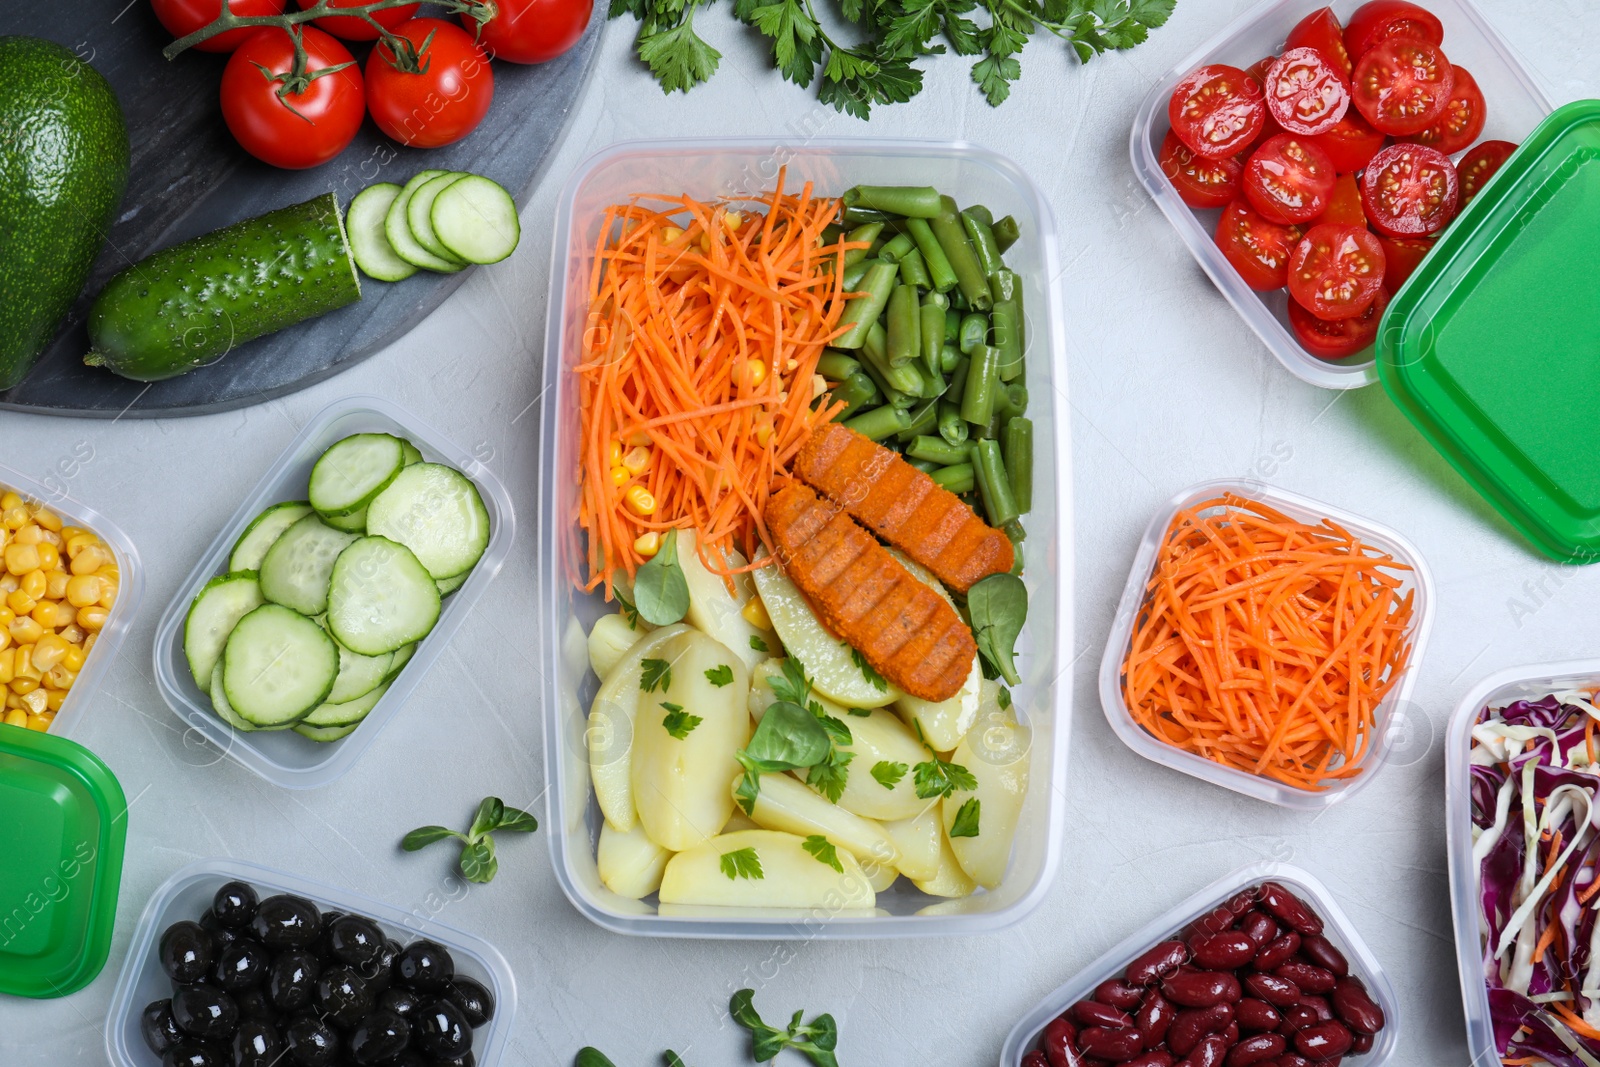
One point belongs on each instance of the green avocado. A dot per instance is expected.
(63, 169)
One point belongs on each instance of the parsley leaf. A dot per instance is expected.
(794, 685)
(863, 713)
(655, 674)
(888, 774)
(838, 732)
(720, 675)
(1003, 698)
(936, 778)
(742, 863)
(678, 722)
(822, 851)
(873, 678)
(966, 821)
(797, 38)
(678, 57)
(829, 776)
(757, 644)
(630, 612)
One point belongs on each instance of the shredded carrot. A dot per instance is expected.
(706, 321)
(1267, 644)
(1572, 1019)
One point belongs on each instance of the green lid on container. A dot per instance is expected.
(63, 825)
(1492, 349)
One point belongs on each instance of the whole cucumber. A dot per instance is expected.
(191, 304)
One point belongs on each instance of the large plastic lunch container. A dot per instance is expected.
(1025, 1035)
(1489, 349)
(187, 895)
(1304, 509)
(283, 756)
(69, 719)
(1496, 691)
(742, 168)
(1515, 105)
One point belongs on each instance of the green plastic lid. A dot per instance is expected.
(63, 825)
(1492, 349)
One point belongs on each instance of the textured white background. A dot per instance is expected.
(1168, 388)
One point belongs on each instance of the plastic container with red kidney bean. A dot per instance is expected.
(1261, 969)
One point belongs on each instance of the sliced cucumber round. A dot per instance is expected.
(450, 585)
(347, 714)
(355, 522)
(369, 245)
(436, 512)
(421, 205)
(398, 230)
(353, 471)
(216, 610)
(413, 454)
(297, 567)
(325, 733)
(475, 219)
(263, 531)
(220, 705)
(358, 676)
(380, 597)
(277, 666)
(402, 656)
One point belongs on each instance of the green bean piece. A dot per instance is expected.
(879, 422)
(959, 302)
(1006, 233)
(852, 277)
(989, 431)
(932, 336)
(952, 237)
(994, 484)
(951, 427)
(1016, 447)
(865, 236)
(855, 216)
(905, 380)
(981, 213)
(930, 469)
(952, 323)
(983, 380)
(938, 450)
(1003, 285)
(1007, 322)
(974, 332)
(958, 477)
(896, 247)
(933, 383)
(1011, 400)
(949, 357)
(861, 313)
(981, 234)
(888, 393)
(905, 326)
(958, 379)
(836, 366)
(858, 393)
(831, 233)
(1015, 531)
(912, 201)
(914, 271)
(924, 418)
(938, 264)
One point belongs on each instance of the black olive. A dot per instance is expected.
(402, 1002)
(253, 1004)
(221, 936)
(186, 952)
(380, 1035)
(242, 965)
(324, 947)
(379, 972)
(160, 1030)
(204, 1011)
(193, 1056)
(235, 905)
(468, 1060)
(285, 921)
(343, 996)
(472, 997)
(441, 1031)
(292, 980)
(257, 1044)
(355, 940)
(424, 966)
(311, 1041)
(410, 1057)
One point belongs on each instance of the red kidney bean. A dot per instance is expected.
(1157, 963)
(1320, 1006)
(1213, 922)
(1118, 994)
(1222, 952)
(1191, 1027)
(1355, 1006)
(1272, 989)
(1093, 1013)
(1155, 1018)
(1201, 989)
(1277, 952)
(1257, 1015)
(1256, 1049)
(1290, 908)
(1209, 1053)
(1297, 1017)
(1035, 1059)
(1150, 1059)
(1308, 976)
(1362, 1043)
(1232, 1034)
(1060, 1043)
(1259, 928)
(1293, 1059)
(1112, 1044)
(1325, 1041)
(1321, 951)
(1243, 901)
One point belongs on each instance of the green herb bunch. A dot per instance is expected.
(478, 862)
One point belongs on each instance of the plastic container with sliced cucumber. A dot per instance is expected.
(440, 220)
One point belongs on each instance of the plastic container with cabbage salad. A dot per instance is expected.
(1306, 510)
(1515, 106)
(187, 895)
(747, 168)
(1025, 1035)
(284, 757)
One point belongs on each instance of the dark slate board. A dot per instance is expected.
(188, 177)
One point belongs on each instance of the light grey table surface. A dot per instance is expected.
(1168, 388)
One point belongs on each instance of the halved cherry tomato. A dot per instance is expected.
(1410, 190)
(1351, 143)
(1345, 206)
(1217, 110)
(1321, 30)
(1480, 164)
(1401, 257)
(1200, 182)
(440, 102)
(1336, 270)
(1305, 93)
(1269, 128)
(1258, 249)
(355, 28)
(1337, 338)
(1462, 120)
(182, 17)
(1289, 179)
(1381, 20)
(303, 128)
(1403, 86)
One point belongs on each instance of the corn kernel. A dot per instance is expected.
(638, 437)
(55, 586)
(89, 559)
(39, 723)
(20, 559)
(54, 699)
(16, 716)
(8, 659)
(26, 630)
(669, 234)
(49, 556)
(637, 460)
(755, 613)
(9, 500)
(753, 372)
(36, 702)
(29, 535)
(5, 640)
(48, 651)
(59, 678)
(619, 476)
(8, 582)
(638, 499)
(20, 602)
(48, 519)
(108, 591)
(51, 538)
(53, 616)
(24, 665)
(92, 619)
(73, 660)
(73, 633)
(33, 584)
(819, 385)
(23, 686)
(733, 220)
(83, 590)
(16, 518)
(12, 699)
(614, 454)
(647, 544)
(79, 541)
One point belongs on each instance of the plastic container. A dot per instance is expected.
(284, 757)
(1516, 106)
(1497, 691)
(1025, 1034)
(1489, 348)
(187, 895)
(1306, 510)
(746, 168)
(70, 718)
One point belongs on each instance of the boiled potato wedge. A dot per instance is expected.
(609, 641)
(720, 614)
(788, 804)
(610, 734)
(944, 722)
(630, 863)
(949, 880)
(880, 875)
(827, 659)
(790, 877)
(918, 840)
(997, 752)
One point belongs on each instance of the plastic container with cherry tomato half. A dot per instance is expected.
(1310, 154)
